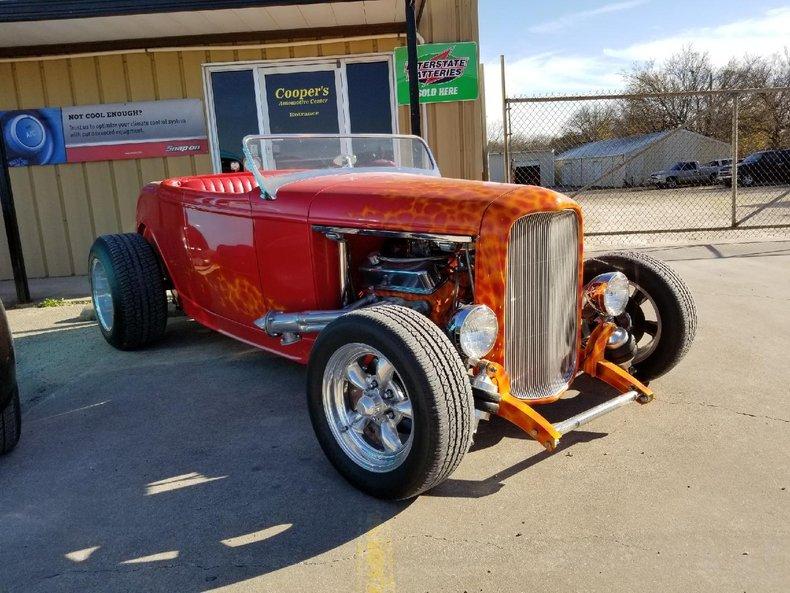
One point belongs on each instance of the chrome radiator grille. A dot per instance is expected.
(540, 307)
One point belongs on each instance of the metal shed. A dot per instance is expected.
(629, 161)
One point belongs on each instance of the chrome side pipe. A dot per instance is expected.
(276, 323)
(291, 325)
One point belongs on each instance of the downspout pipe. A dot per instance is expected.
(414, 90)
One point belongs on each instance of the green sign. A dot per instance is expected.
(446, 72)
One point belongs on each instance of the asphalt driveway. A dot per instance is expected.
(192, 466)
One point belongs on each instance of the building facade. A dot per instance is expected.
(226, 58)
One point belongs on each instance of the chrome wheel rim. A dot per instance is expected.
(101, 294)
(368, 408)
(646, 322)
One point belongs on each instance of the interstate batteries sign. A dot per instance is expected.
(445, 71)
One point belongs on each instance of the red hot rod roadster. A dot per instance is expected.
(420, 304)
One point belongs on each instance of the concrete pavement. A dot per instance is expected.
(192, 466)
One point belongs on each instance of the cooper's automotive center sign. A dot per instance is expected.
(142, 129)
(302, 102)
(445, 72)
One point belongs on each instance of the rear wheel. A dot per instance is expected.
(390, 401)
(10, 423)
(128, 290)
(660, 311)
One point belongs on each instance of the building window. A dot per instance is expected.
(369, 96)
(235, 114)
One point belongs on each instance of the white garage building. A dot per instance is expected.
(627, 162)
(534, 167)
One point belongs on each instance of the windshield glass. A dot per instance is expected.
(298, 156)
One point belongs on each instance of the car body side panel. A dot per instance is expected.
(163, 213)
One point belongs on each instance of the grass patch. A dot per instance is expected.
(51, 302)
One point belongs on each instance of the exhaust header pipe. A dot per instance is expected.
(291, 325)
(276, 323)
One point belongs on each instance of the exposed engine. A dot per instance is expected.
(432, 276)
(416, 266)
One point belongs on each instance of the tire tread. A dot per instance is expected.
(143, 303)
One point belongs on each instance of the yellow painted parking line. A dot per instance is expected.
(376, 561)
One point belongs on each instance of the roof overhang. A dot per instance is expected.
(30, 29)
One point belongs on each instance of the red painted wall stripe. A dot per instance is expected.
(137, 150)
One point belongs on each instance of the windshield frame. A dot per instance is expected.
(270, 185)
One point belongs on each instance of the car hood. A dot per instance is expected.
(416, 203)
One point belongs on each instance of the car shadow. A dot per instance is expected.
(583, 394)
(187, 466)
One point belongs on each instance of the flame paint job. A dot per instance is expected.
(234, 256)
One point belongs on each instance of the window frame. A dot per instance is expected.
(279, 66)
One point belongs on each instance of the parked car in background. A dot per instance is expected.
(420, 304)
(716, 165)
(725, 174)
(686, 173)
(10, 412)
(767, 167)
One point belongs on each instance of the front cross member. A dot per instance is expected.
(594, 364)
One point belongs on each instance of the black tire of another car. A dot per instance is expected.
(672, 299)
(671, 183)
(10, 423)
(437, 384)
(137, 288)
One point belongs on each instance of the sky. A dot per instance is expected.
(575, 46)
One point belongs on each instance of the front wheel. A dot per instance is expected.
(390, 401)
(661, 314)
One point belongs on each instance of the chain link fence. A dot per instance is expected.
(650, 165)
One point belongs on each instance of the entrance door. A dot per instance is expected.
(300, 100)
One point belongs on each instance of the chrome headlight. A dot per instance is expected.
(474, 329)
(608, 293)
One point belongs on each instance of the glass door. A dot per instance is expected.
(300, 100)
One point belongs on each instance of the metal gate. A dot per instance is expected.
(659, 163)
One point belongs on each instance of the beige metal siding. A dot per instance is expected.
(62, 208)
(455, 130)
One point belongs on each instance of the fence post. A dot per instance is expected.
(734, 166)
(505, 126)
